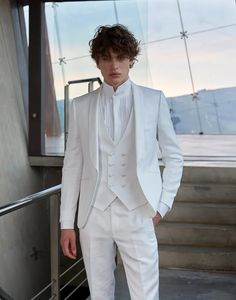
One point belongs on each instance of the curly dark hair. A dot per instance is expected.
(116, 38)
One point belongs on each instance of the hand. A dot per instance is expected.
(68, 243)
(156, 219)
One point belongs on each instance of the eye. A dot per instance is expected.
(121, 57)
(105, 58)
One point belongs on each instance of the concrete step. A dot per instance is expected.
(196, 234)
(197, 258)
(206, 192)
(202, 213)
(196, 174)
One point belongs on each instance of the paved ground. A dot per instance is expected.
(186, 285)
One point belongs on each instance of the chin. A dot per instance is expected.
(115, 83)
(118, 81)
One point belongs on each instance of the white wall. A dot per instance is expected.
(21, 275)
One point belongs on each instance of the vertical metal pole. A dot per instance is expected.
(54, 242)
(195, 99)
(66, 113)
(36, 50)
(90, 86)
(217, 113)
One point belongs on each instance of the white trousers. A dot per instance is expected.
(133, 233)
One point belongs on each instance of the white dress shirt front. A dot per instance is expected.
(116, 108)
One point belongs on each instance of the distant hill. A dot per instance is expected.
(211, 112)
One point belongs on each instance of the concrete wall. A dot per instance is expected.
(24, 243)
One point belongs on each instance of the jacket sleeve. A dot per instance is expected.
(71, 172)
(171, 154)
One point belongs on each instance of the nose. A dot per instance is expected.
(114, 64)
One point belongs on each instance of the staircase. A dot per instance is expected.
(200, 231)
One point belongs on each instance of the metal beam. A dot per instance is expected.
(36, 116)
(26, 2)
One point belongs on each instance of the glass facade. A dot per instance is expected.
(187, 50)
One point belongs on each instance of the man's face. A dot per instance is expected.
(114, 68)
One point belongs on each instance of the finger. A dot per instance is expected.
(73, 247)
(156, 220)
(70, 248)
(69, 253)
(65, 247)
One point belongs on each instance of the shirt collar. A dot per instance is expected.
(123, 89)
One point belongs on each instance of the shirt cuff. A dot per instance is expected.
(67, 225)
(163, 209)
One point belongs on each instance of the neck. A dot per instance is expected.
(115, 87)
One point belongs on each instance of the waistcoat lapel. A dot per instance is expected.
(93, 129)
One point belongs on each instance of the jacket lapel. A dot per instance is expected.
(139, 121)
(93, 129)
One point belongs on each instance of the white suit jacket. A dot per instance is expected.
(153, 126)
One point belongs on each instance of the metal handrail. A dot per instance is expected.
(93, 79)
(76, 289)
(43, 290)
(4, 295)
(53, 193)
(66, 99)
(18, 204)
(71, 267)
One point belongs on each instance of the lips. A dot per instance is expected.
(115, 74)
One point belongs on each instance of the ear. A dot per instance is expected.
(131, 63)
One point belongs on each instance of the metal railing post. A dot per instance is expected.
(90, 86)
(67, 100)
(54, 241)
(66, 113)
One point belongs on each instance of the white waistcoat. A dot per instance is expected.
(118, 169)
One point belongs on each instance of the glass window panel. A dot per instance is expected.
(212, 56)
(163, 60)
(184, 114)
(75, 23)
(208, 113)
(162, 19)
(74, 70)
(225, 107)
(168, 67)
(199, 15)
(212, 112)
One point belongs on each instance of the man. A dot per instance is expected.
(111, 161)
